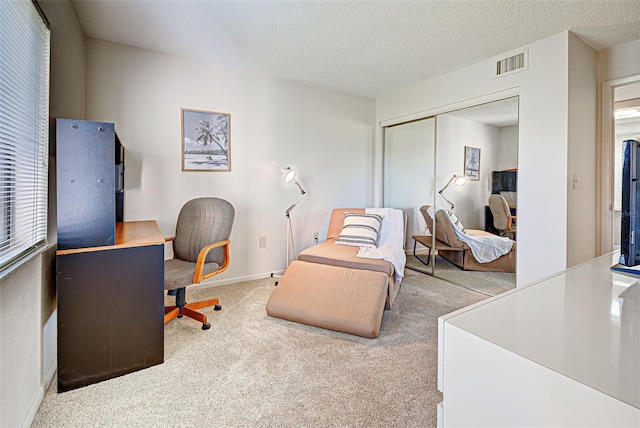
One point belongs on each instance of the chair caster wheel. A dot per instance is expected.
(180, 316)
(206, 326)
(217, 307)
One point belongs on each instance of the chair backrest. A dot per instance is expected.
(500, 211)
(201, 222)
(444, 229)
(337, 220)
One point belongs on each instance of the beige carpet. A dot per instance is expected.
(251, 370)
(492, 283)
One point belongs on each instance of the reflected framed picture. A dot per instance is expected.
(472, 163)
(206, 140)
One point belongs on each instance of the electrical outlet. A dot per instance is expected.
(262, 242)
(314, 237)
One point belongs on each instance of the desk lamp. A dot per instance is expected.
(459, 181)
(289, 175)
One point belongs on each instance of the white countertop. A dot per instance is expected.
(573, 323)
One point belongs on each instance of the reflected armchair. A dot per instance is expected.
(502, 218)
(201, 250)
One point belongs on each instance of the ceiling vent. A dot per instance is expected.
(512, 64)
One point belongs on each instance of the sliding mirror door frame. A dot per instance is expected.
(479, 143)
(408, 172)
(430, 178)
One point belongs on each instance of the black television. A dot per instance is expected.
(630, 226)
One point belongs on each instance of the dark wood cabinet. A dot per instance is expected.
(85, 159)
(111, 307)
(110, 274)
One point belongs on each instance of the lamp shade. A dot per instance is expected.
(289, 174)
(459, 181)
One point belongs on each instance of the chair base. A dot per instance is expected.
(189, 309)
(507, 234)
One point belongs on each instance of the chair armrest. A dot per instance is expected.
(202, 256)
(511, 225)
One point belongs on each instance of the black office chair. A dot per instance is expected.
(201, 250)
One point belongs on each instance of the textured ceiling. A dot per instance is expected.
(359, 47)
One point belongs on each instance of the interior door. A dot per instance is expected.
(626, 120)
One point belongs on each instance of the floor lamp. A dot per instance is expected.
(289, 175)
(458, 181)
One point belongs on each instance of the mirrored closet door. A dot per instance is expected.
(409, 153)
(468, 171)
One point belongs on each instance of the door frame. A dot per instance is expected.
(607, 144)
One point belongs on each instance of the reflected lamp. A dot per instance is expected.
(458, 180)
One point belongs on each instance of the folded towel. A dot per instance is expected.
(390, 240)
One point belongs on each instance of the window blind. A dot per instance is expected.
(24, 129)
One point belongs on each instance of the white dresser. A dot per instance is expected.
(561, 352)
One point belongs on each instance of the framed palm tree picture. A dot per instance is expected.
(206, 140)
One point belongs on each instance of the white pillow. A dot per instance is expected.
(360, 230)
(455, 222)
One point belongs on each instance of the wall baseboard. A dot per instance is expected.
(50, 372)
(35, 405)
(208, 284)
(33, 409)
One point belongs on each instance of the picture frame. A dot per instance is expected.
(472, 163)
(206, 140)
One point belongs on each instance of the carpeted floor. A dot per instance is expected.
(492, 283)
(251, 370)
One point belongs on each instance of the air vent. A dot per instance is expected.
(517, 62)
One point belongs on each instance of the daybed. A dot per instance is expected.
(330, 287)
(465, 259)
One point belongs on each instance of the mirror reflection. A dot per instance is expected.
(408, 173)
(469, 199)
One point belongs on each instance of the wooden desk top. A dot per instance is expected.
(128, 234)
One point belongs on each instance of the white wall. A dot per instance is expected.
(582, 166)
(508, 148)
(542, 157)
(326, 136)
(619, 61)
(28, 319)
(20, 365)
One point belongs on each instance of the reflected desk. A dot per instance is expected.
(111, 306)
(488, 219)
